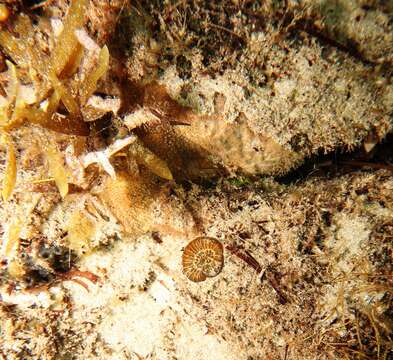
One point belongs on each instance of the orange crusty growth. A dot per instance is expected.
(203, 257)
(4, 13)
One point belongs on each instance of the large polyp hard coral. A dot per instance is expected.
(202, 258)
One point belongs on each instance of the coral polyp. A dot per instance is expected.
(202, 258)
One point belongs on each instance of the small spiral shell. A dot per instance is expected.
(203, 257)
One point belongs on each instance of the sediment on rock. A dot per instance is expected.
(128, 130)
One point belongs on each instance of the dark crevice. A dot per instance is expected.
(338, 163)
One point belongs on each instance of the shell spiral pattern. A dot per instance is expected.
(203, 257)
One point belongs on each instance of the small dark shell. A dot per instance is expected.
(203, 257)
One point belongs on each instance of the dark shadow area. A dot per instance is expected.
(339, 163)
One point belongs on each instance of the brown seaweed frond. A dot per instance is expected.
(38, 85)
(10, 170)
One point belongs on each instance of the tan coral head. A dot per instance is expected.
(203, 257)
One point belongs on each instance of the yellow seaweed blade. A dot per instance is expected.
(12, 239)
(69, 125)
(57, 169)
(3, 116)
(20, 104)
(12, 47)
(33, 114)
(53, 103)
(90, 84)
(20, 49)
(156, 165)
(13, 83)
(10, 172)
(64, 50)
(68, 101)
(75, 61)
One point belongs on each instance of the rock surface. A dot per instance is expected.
(264, 125)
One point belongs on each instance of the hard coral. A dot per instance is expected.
(202, 257)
